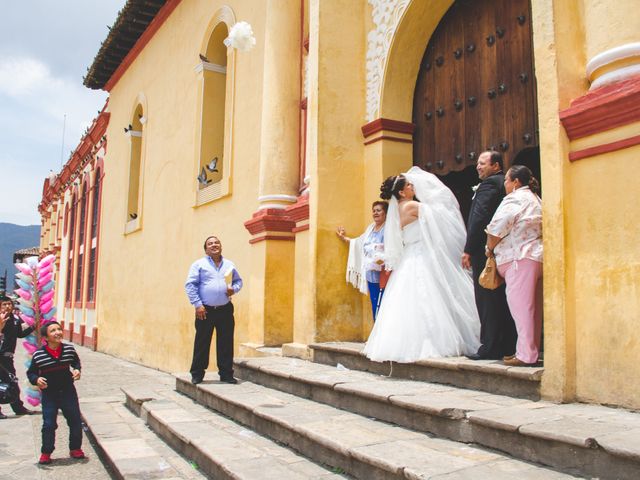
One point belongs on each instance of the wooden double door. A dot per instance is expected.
(476, 91)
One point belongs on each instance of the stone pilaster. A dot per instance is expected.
(273, 251)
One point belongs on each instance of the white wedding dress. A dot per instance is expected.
(428, 308)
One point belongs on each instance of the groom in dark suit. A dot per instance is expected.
(497, 329)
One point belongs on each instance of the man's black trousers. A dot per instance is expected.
(220, 319)
(497, 329)
(7, 363)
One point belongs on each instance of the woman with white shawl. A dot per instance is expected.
(428, 309)
(365, 262)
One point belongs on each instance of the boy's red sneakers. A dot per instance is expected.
(45, 459)
(77, 454)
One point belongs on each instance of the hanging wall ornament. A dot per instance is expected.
(36, 299)
(241, 37)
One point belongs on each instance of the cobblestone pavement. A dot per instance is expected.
(102, 378)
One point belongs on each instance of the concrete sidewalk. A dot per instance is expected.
(102, 378)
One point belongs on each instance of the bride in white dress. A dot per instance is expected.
(428, 308)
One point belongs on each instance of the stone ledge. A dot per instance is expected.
(486, 375)
(135, 397)
(363, 447)
(248, 349)
(533, 374)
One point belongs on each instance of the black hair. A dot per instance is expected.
(522, 173)
(45, 327)
(204, 246)
(496, 157)
(382, 203)
(392, 186)
(4, 298)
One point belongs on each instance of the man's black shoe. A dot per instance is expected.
(24, 411)
(229, 380)
(196, 380)
(474, 356)
(477, 356)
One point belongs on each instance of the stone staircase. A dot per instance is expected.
(345, 417)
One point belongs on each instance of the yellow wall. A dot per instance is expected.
(336, 112)
(304, 302)
(559, 65)
(604, 269)
(143, 309)
(591, 302)
(609, 24)
(590, 229)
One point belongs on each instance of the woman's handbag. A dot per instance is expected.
(9, 390)
(489, 278)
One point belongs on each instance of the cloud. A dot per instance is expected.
(21, 76)
(33, 105)
(42, 61)
(30, 83)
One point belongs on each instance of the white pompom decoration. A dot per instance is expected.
(241, 37)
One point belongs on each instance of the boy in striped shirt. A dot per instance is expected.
(54, 368)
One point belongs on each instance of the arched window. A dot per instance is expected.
(66, 220)
(216, 114)
(95, 219)
(60, 222)
(72, 236)
(135, 131)
(81, 243)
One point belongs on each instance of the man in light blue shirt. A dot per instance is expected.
(211, 282)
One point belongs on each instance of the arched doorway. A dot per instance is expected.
(476, 91)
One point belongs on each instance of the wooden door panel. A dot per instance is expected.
(476, 86)
(476, 82)
(449, 83)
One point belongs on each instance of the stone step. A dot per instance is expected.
(220, 447)
(362, 447)
(257, 350)
(592, 440)
(487, 375)
(129, 448)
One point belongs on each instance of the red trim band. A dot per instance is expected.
(602, 109)
(299, 211)
(390, 138)
(301, 228)
(270, 220)
(606, 148)
(387, 124)
(271, 237)
(68, 334)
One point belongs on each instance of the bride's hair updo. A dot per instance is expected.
(392, 186)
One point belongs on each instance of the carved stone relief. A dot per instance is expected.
(386, 15)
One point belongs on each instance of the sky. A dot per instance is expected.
(45, 49)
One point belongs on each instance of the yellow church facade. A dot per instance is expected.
(270, 148)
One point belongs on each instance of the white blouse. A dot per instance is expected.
(518, 221)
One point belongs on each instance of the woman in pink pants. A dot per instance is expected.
(514, 236)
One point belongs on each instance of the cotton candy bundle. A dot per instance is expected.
(35, 302)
